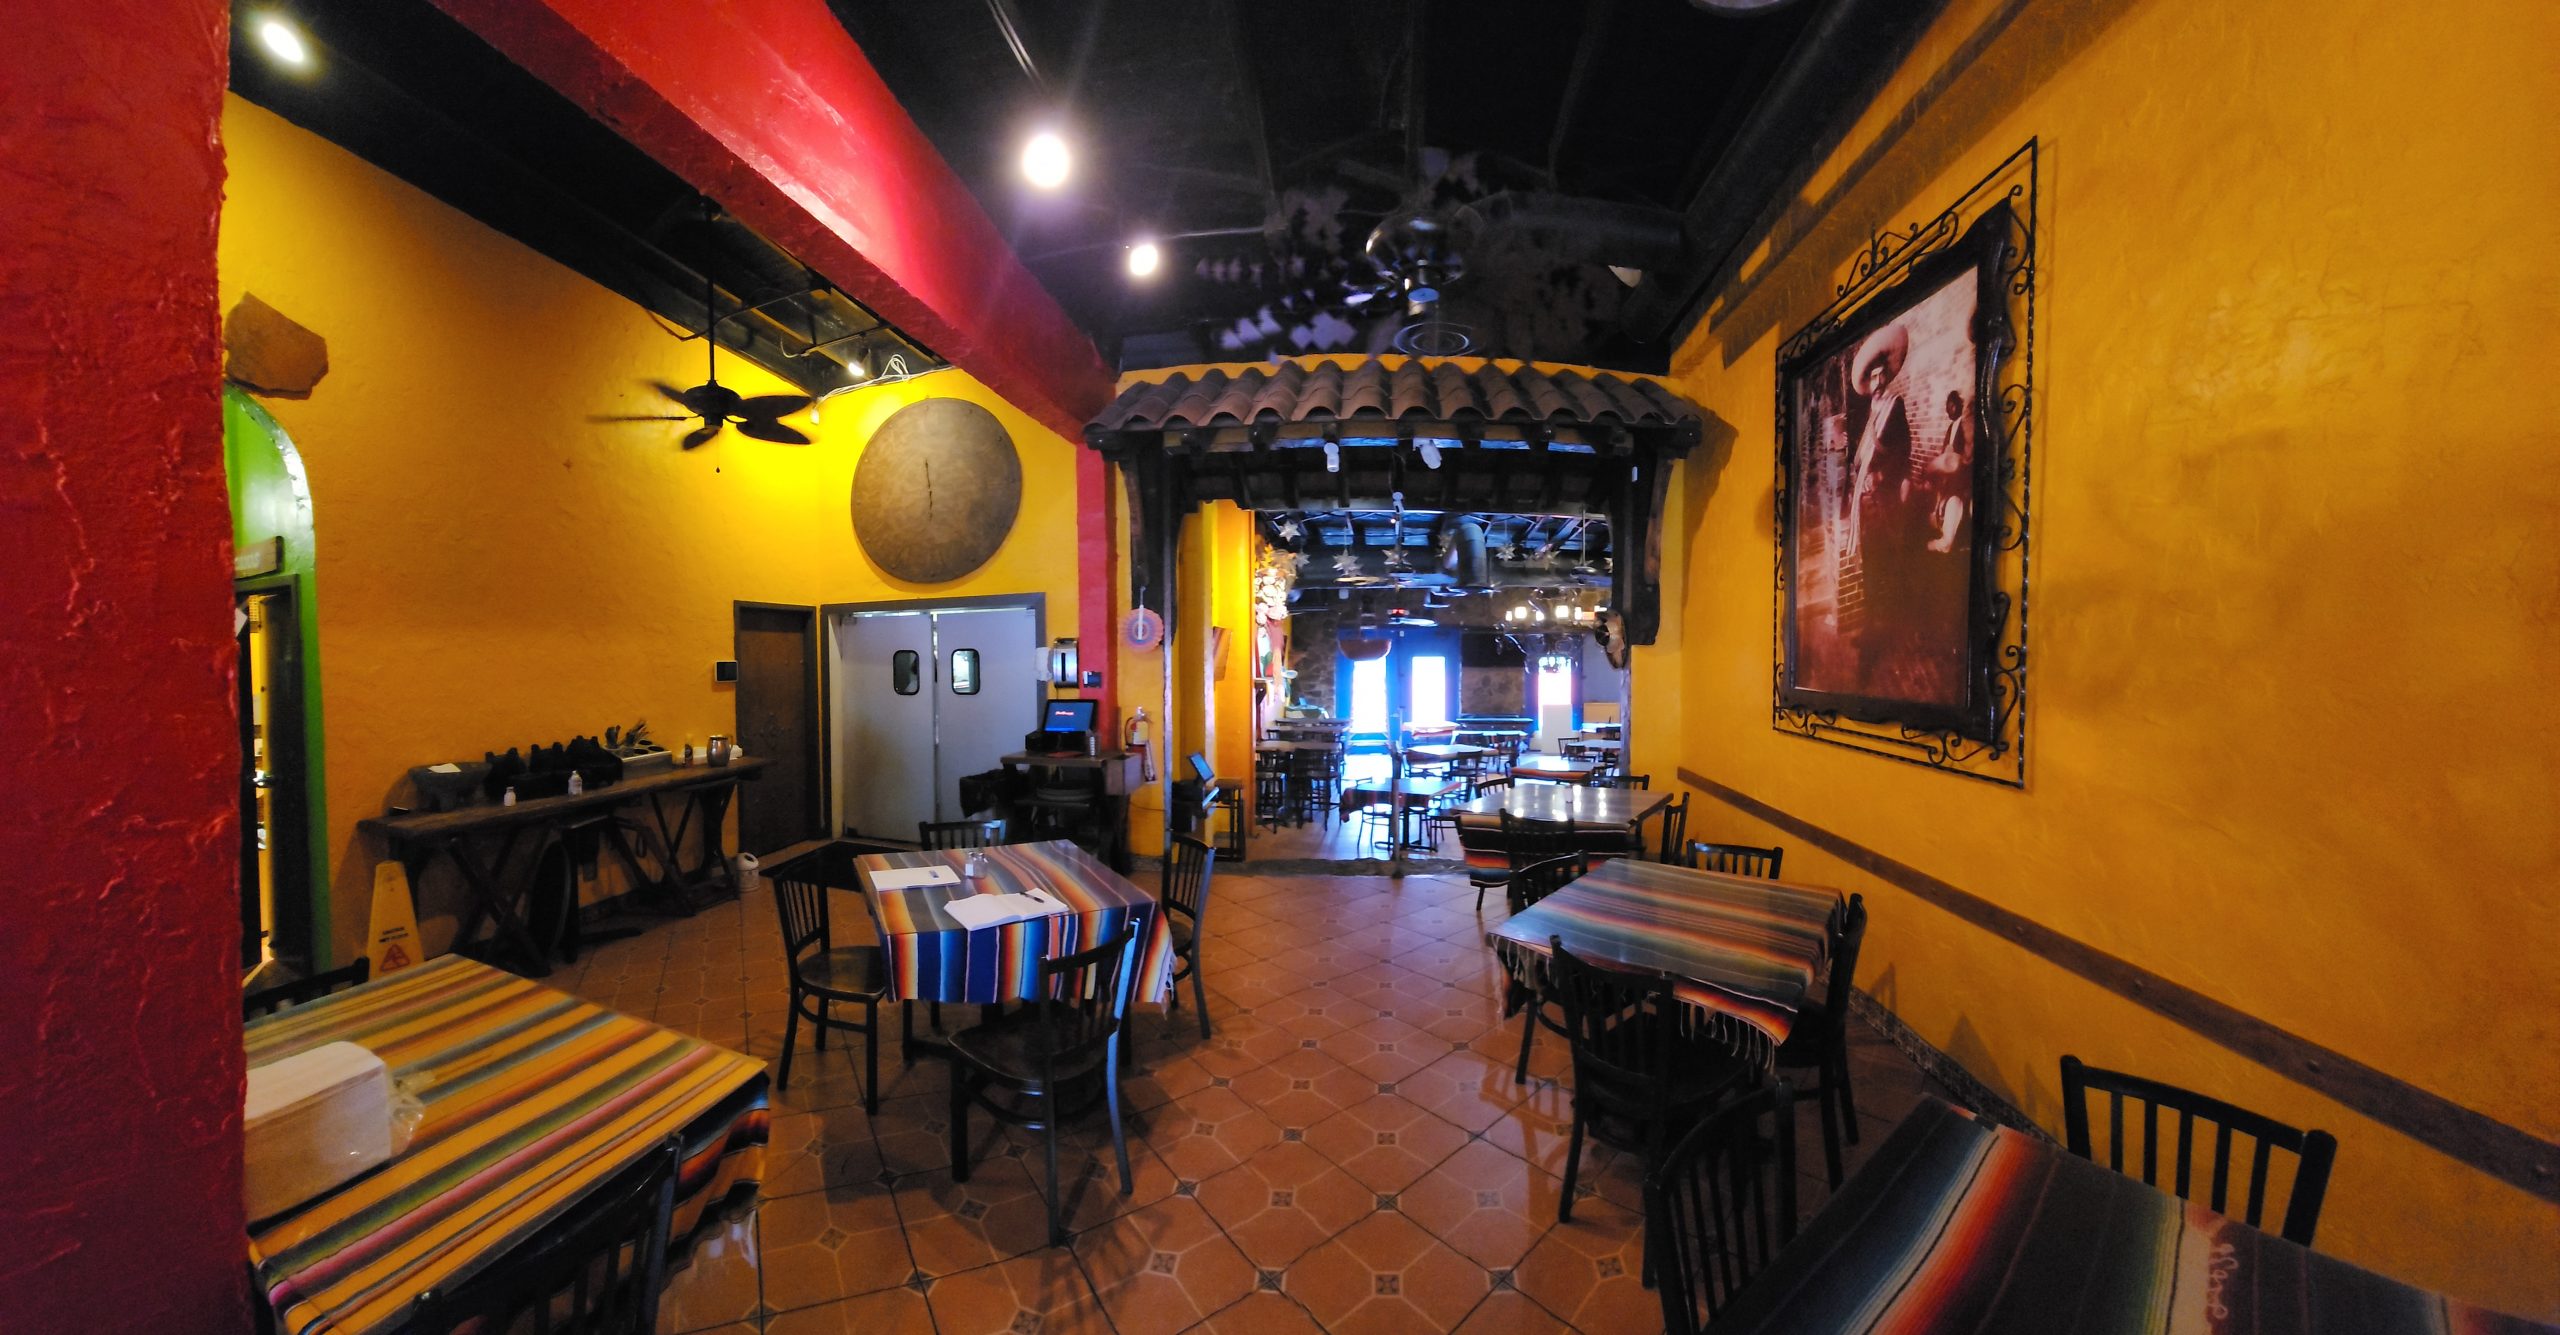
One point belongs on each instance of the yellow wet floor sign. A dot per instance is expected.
(393, 944)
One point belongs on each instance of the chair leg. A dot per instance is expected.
(1830, 1137)
(1848, 1102)
(1572, 1168)
(959, 1123)
(1528, 1032)
(821, 1027)
(790, 1035)
(907, 1032)
(871, 1055)
(1119, 1136)
(1049, 1136)
(933, 1013)
(1199, 990)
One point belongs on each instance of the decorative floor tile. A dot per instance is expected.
(1284, 1201)
(1386, 1274)
(825, 1245)
(1510, 1313)
(1487, 1204)
(718, 1281)
(1207, 1133)
(1045, 1292)
(1163, 1268)
(1590, 1272)
(998, 1214)
(1386, 1142)
(899, 1310)
(1464, 1089)
(1261, 1314)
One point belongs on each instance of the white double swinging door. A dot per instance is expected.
(920, 695)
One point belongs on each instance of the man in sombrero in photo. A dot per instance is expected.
(1879, 509)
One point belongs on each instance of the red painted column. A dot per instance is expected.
(768, 107)
(120, 1060)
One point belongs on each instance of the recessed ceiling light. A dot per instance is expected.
(283, 41)
(1045, 161)
(1144, 258)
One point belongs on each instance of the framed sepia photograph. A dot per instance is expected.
(1889, 448)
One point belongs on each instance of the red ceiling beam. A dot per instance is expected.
(768, 107)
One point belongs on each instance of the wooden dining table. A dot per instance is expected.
(1554, 769)
(1402, 795)
(933, 957)
(1958, 1226)
(1612, 817)
(1742, 952)
(529, 1099)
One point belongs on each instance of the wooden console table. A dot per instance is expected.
(701, 792)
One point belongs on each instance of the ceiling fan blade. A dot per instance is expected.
(772, 431)
(701, 434)
(770, 406)
(647, 417)
(675, 395)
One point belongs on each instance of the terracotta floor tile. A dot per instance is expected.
(1162, 1082)
(1590, 1271)
(1386, 1050)
(718, 1281)
(1506, 1312)
(914, 1134)
(1539, 1130)
(998, 1214)
(1261, 1313)
(1089, 1181)
(1386, 1142)
(897, 1310)
(1045, 1292)
(807, 1151)
(1163, 1268)
(1207, 1133)
(1487, 1204)
(1386, 1274)
(1302, 1090)
(1284, 1201)
(825, 1245)
(1464, 1089)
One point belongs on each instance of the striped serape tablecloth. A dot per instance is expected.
(1960, 1226)
(1743, 952)
(532, 1098)
(933, 958)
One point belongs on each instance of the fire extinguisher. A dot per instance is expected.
(1133, 739)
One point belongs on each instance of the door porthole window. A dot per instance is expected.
(964, 672)
(906, 672)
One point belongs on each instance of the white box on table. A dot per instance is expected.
(315, 1119)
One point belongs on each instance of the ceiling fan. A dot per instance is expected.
(717, 405)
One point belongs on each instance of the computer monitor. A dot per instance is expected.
(1069, 715)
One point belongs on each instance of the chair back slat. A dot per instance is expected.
(1185, 885)
(2316, 1151)
(1538, 880)
(267, 1001)
(948, 834)
(1721, 1205)
(1737, 859)
(1530, 841)
(575, 1271)
(1086, 1002)
(1675, 827)
(1625, 1030)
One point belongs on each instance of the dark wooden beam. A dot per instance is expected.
(2508, 1153)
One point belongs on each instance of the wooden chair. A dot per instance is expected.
(1526, 886)
(598, 1269)
(1737, 859)
(2316, 1150)
(1721, 1205)
(1819, 1041)
(1184, 893)
(1050, 1056)
(945, 834)
(1636, 1077)
(269, 1000)
(823, 973)
(1675, 827)
(1488, 878)
(1642, 782)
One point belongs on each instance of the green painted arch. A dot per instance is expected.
(271, 498)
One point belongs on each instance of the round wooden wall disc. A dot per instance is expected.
(937, 491)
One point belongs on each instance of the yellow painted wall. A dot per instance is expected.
(497, 568)
(2295, 576)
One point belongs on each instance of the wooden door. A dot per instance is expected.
(778, 720)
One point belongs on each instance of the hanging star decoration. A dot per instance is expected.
(1287, 530)
(1509, 552)
(1300, 560)
(1395, 558)
(1346, 565)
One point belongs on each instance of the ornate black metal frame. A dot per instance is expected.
(2000, 754)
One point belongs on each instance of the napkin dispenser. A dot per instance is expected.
(316, 1119)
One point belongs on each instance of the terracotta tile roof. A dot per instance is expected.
(1411, 392)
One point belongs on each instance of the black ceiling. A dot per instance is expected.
(398, 83)
(1267, 140)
